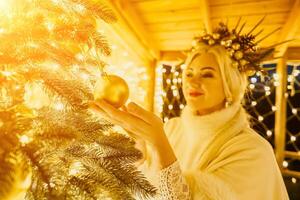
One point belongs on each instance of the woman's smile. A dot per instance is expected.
(194, 92)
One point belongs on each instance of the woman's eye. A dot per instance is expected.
(207, 75)
(188, 74)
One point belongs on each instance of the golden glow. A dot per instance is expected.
(7, 73)
(59, 106)
(75, 168)
(24, 139)
(4, 4)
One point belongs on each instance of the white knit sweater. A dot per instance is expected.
(219, 158)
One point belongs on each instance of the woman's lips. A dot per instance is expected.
(195, 93)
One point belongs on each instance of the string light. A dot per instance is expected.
(274, 108)
(59, 106)
(294, 180)
(290, 78)
(294, 111)
(296, 73)
(286, 95)
(170, 106)
(269, 133)
(293, 138)
(285, 164)
(181, 106)
(267, 88)
(275, 76)
(253, 103)
(251, 86)
(253, 80)
(175, 93)
(260, 118)
(276, 83)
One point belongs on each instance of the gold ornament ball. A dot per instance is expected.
(206, 37)
(235, 64)
(211, 42)
(231, 52)
(238, 55)
(236, 46)
(216, 36)
(243, 62)
(113, 89)
(228, 43)
(203, 33)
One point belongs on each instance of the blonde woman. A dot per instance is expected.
(210, 151)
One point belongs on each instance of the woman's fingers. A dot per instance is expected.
(103, 114)
(139, 112)
(124, 119)
(123, 108)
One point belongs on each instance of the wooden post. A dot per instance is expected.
(205, 11)
(280, 114)
(151, 89)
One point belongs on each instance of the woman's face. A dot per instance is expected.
(202, 84)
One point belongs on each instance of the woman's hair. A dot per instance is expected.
(234, 81)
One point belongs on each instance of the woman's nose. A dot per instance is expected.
(194, 82)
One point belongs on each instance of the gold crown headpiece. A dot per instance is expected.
(242, 48)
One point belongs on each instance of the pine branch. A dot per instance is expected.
(96, 172)
(13, 170)
(71, 91)
(101, 43)
(94, 151)
(98, 9)
(127, 174)
(80, 125)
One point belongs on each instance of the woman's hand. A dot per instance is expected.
(141, 124)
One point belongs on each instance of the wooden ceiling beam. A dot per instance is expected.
(290, 29)
(131, 29)
(173, 55)
(293, 54)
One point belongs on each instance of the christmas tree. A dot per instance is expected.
(51, 145)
